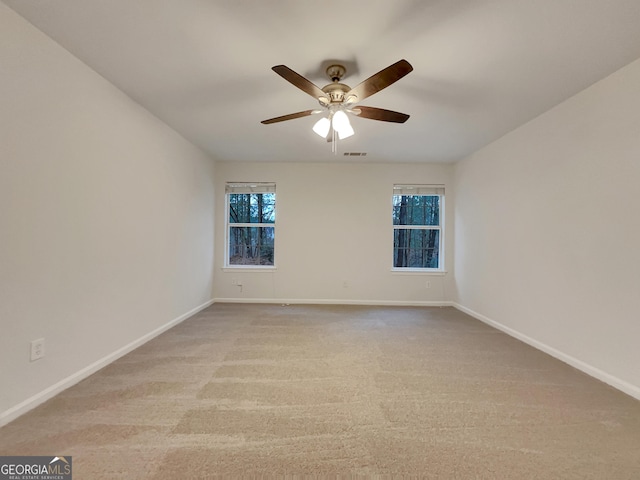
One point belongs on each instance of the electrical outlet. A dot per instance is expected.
(37, 349)
(428, 284)
(345, 284)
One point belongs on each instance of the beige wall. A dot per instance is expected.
(106, 219)
(548, 231)
(333, 226)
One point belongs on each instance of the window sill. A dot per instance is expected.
(417, 271)
(244, 268)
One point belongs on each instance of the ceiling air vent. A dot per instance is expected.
(355, 154)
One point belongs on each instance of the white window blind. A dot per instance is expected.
(257, 187)
(418, 189)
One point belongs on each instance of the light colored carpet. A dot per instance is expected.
(268, 391)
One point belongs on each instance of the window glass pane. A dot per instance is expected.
(252, 208)
(251, 245)
(416, 248)
(416, 210)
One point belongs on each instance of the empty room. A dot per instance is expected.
(287, 239)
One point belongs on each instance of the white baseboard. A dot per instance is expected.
(590, 370)
(336, 301)
(32, 402)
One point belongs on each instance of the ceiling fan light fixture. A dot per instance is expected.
(322, 127)
(341, 124)
(345, 131)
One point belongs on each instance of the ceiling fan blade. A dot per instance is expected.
(291, 116)
(301, 82)
(380, 80)
(380, 114)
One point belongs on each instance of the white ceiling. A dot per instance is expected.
(481, 67)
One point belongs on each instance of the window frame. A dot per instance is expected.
(420, 190)
(252, 188)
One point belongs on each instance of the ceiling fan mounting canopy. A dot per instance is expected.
(336, 72)
(338, 96)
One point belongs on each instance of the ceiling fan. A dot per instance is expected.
(338, 99)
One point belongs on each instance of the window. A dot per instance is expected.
(251, 224)
(417, 226)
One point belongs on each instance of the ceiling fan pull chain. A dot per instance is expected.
(334, 144)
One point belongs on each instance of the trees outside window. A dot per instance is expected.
(417, 227)
(251, 224)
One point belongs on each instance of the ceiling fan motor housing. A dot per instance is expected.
(336, 91)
